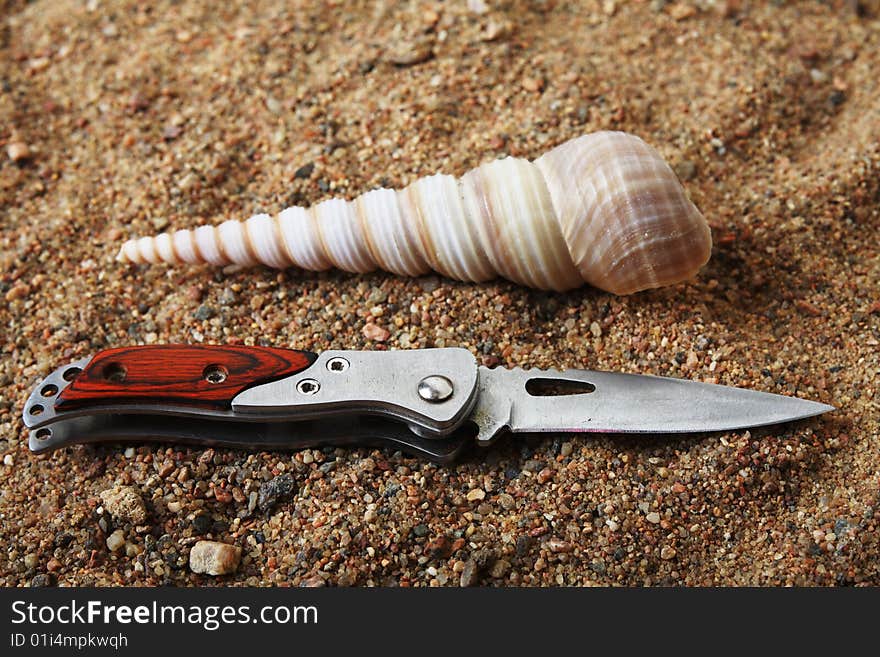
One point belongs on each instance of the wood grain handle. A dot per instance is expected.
(181, 375)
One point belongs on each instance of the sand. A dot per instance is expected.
(122, 119)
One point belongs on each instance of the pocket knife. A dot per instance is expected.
(430, 402)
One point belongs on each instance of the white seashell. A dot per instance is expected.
(604, 209)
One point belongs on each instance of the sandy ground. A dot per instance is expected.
(124, 118)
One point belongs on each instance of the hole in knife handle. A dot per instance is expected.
(557, 387)
(43, 434)
(114, 372)
(49, 390)
(71, 373)
(215, 374)
(37, 409)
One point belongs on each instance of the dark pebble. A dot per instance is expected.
(202, 523)
(42, 580)
(304, 171)
(204, 312)
(420, 530)
(275, 490)
(523, 545)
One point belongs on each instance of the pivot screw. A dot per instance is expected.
(435, 388)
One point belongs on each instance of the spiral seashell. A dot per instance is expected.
(604, 208)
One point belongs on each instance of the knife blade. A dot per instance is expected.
(431, 402)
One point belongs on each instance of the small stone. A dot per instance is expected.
(204, 312)
(279, 488)
(566, 449)
(500, 569)
(171, 132)
(223, 495)
(53, 565)
(42, 580)
(18, 151)
(544, 476)
(558, 546)
(680, 11)
(470, 573)
(8, 460)
(304, 171)
(533, 84)
(31, 560)
(667, 553)
(496, 30)
(125, 503)
(408, 53)
(653, 517)
(370, 515)
(476, 494)
(313, 582)
(116, 540)
(374, 332)
(213, 558)
(685, 170)
(506, 501)
(596, 330)
(420, 530)
(202, 523)
(438, 547)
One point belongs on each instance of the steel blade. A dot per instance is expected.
(625, 403)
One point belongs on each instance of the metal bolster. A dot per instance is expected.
(410, 386)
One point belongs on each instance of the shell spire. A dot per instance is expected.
(604, 209)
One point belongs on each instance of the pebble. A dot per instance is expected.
(408, 53)
(500, 568)
(125, 503)
(375, 332)
(202, 523)
(470, 574)
(8, 460)
(31, 560)
(667, 553)
(653, 517)
(213, 558)
(476, 494)
(506, 501)
(116, 540)
(276, 490)
(686, 170)
(18, 151)
(533, 84)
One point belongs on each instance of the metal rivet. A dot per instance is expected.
(337, 364)
(215, 374)
(435, 388)
(308, 387)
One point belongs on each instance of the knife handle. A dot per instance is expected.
(184, 375)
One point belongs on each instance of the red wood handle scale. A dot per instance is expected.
(185, 375)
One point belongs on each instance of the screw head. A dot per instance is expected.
(337, 364)
(435, 388)
(308, 387)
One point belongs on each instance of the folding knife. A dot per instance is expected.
(430, 402)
